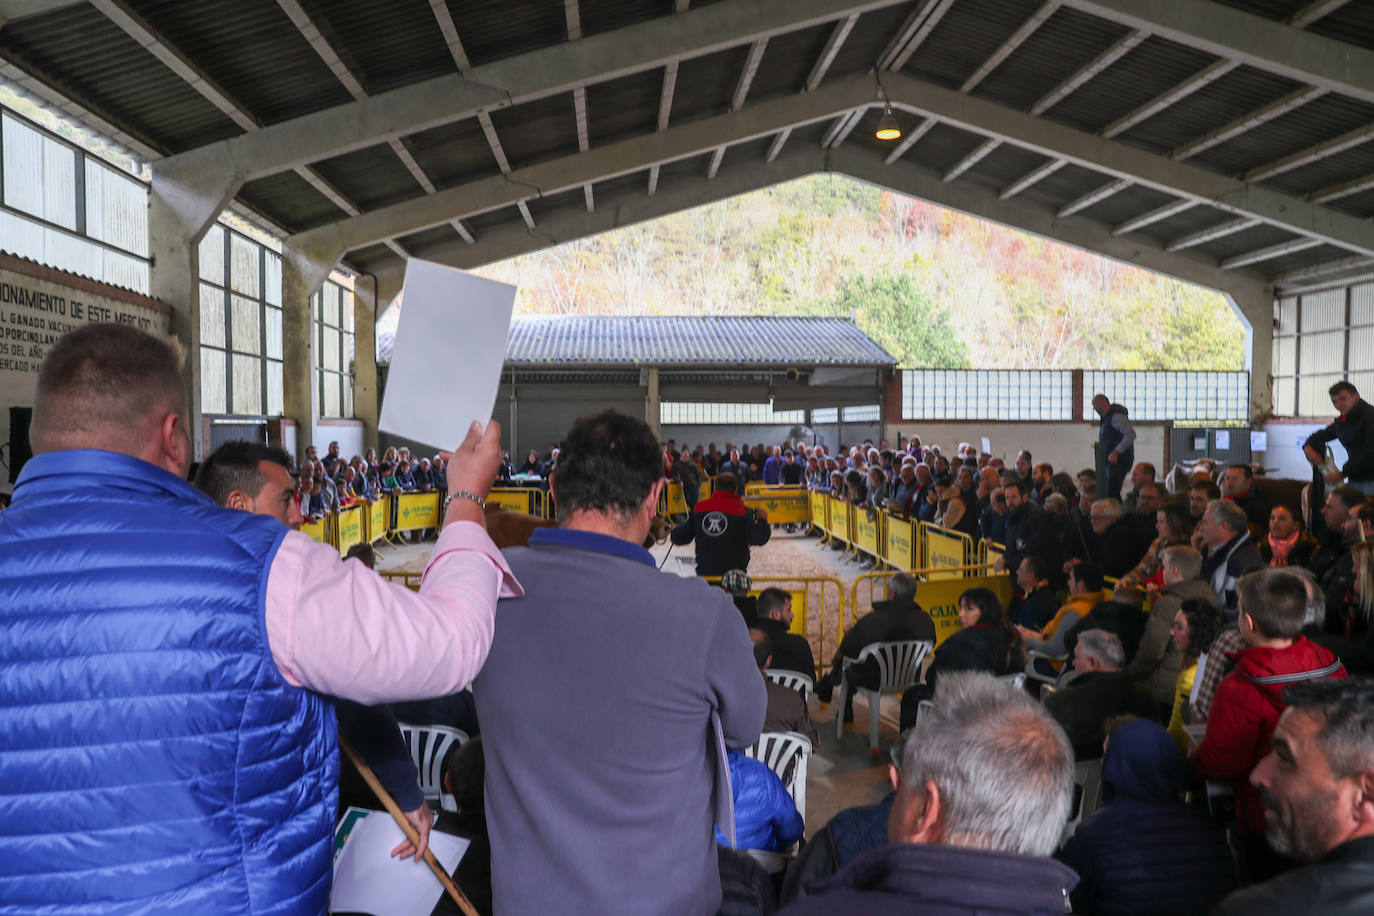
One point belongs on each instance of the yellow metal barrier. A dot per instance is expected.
(415, 511)
(839, 521)
(942, 550)
(349, 526)
(785, 505)
(378, 518)
(938, 597)
(866, 529)
(899, 543)
(820, 513)
(811, 595)
(318, 530)
(989, 552)
(530, 500)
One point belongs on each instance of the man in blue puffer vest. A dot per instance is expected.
(164, 745)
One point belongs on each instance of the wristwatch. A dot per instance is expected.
(463, 494)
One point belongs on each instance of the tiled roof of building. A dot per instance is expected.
(704, 341)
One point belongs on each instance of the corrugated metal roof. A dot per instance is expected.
(778, 342)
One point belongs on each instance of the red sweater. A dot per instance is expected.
(1248, 703)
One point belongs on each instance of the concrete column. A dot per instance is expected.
(1254, 305)
(371, 296)
(651, 402)
(299, 400)
(179, 213)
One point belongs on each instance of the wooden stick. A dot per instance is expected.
(399, 817)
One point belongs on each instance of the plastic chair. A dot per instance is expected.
(1032, 655)
(899, 666)
(785, 754)
(1017, 680)
(429, 745)
(1087, 777)
(802, 683)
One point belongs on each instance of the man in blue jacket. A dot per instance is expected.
(165, 745)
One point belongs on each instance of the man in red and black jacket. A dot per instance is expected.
(723, 529)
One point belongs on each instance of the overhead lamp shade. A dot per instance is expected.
(888, 129)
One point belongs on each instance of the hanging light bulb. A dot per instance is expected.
(888, 128)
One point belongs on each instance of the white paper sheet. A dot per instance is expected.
(368, 880)
(987, 446)
(447, 358)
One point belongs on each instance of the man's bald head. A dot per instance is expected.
(112, 387)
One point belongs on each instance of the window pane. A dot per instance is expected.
(272, 277)
(274, 389)
(212, 256)
(211, 316)
(347, 396)
(329, 349)
(247, 334)
(243, 265)
(329, 390)
(213, 381)
(247, 384)
(274, 333)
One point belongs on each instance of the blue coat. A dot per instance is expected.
(152, 757)
(1144, 851)
(765, 816)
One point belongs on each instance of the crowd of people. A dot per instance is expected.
(176, 659)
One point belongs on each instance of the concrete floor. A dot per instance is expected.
(841, 773)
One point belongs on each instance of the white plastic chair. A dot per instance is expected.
(1017, 680)
(428, 746)
(785, 753)
(899, 666)
(796, 680)
(1087, 776)
(1032, 655)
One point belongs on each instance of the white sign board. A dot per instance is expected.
(1259, 441)
(446, 362)
(1223, 438)
(368, 880)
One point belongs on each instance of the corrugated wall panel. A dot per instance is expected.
(1323, 311)
(116, 208)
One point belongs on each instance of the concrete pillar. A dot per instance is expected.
(371, 296)
(179, 213)
(651, 401)
(299, 400)
(1254, 305)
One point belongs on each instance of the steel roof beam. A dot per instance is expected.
(1078, 231)
(746, 76)
(507, 82)
(1131, 164)
(1095, 196)
(913, 33)
(1248, 39)
(1211, 234)
(760, 119)
(626, 209)
(1101, 62)
(1314, 11)
(1269, 252)
(910, 140)
(837, 38)
(1015, 41)
(1173, 208)
(1035, 175)
(1345, 141)
(1344, 189)
(972, 158)
(1313, 271)
(1295, 99)
(1169, 97)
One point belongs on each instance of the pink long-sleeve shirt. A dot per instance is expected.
(337, 628)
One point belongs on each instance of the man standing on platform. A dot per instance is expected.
(1116, 436)
(601, 697)
(1355, 430)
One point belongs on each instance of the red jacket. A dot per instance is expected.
(1248, 703)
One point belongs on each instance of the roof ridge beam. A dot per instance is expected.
(612, 160)
(1128, 163)
(511, 81)
(1248, 39)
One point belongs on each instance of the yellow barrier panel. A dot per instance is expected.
(811, 595)
(938, 597)
(753, 487)
(318, 530)
(676, 500)
(516, 499)
(865, 531)
(943, 549)
(378, 518)
(989, 552)
(899, 543)
(349, 528)
(839, 520)
(819, 508)
(417, 510)
(785, 505)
